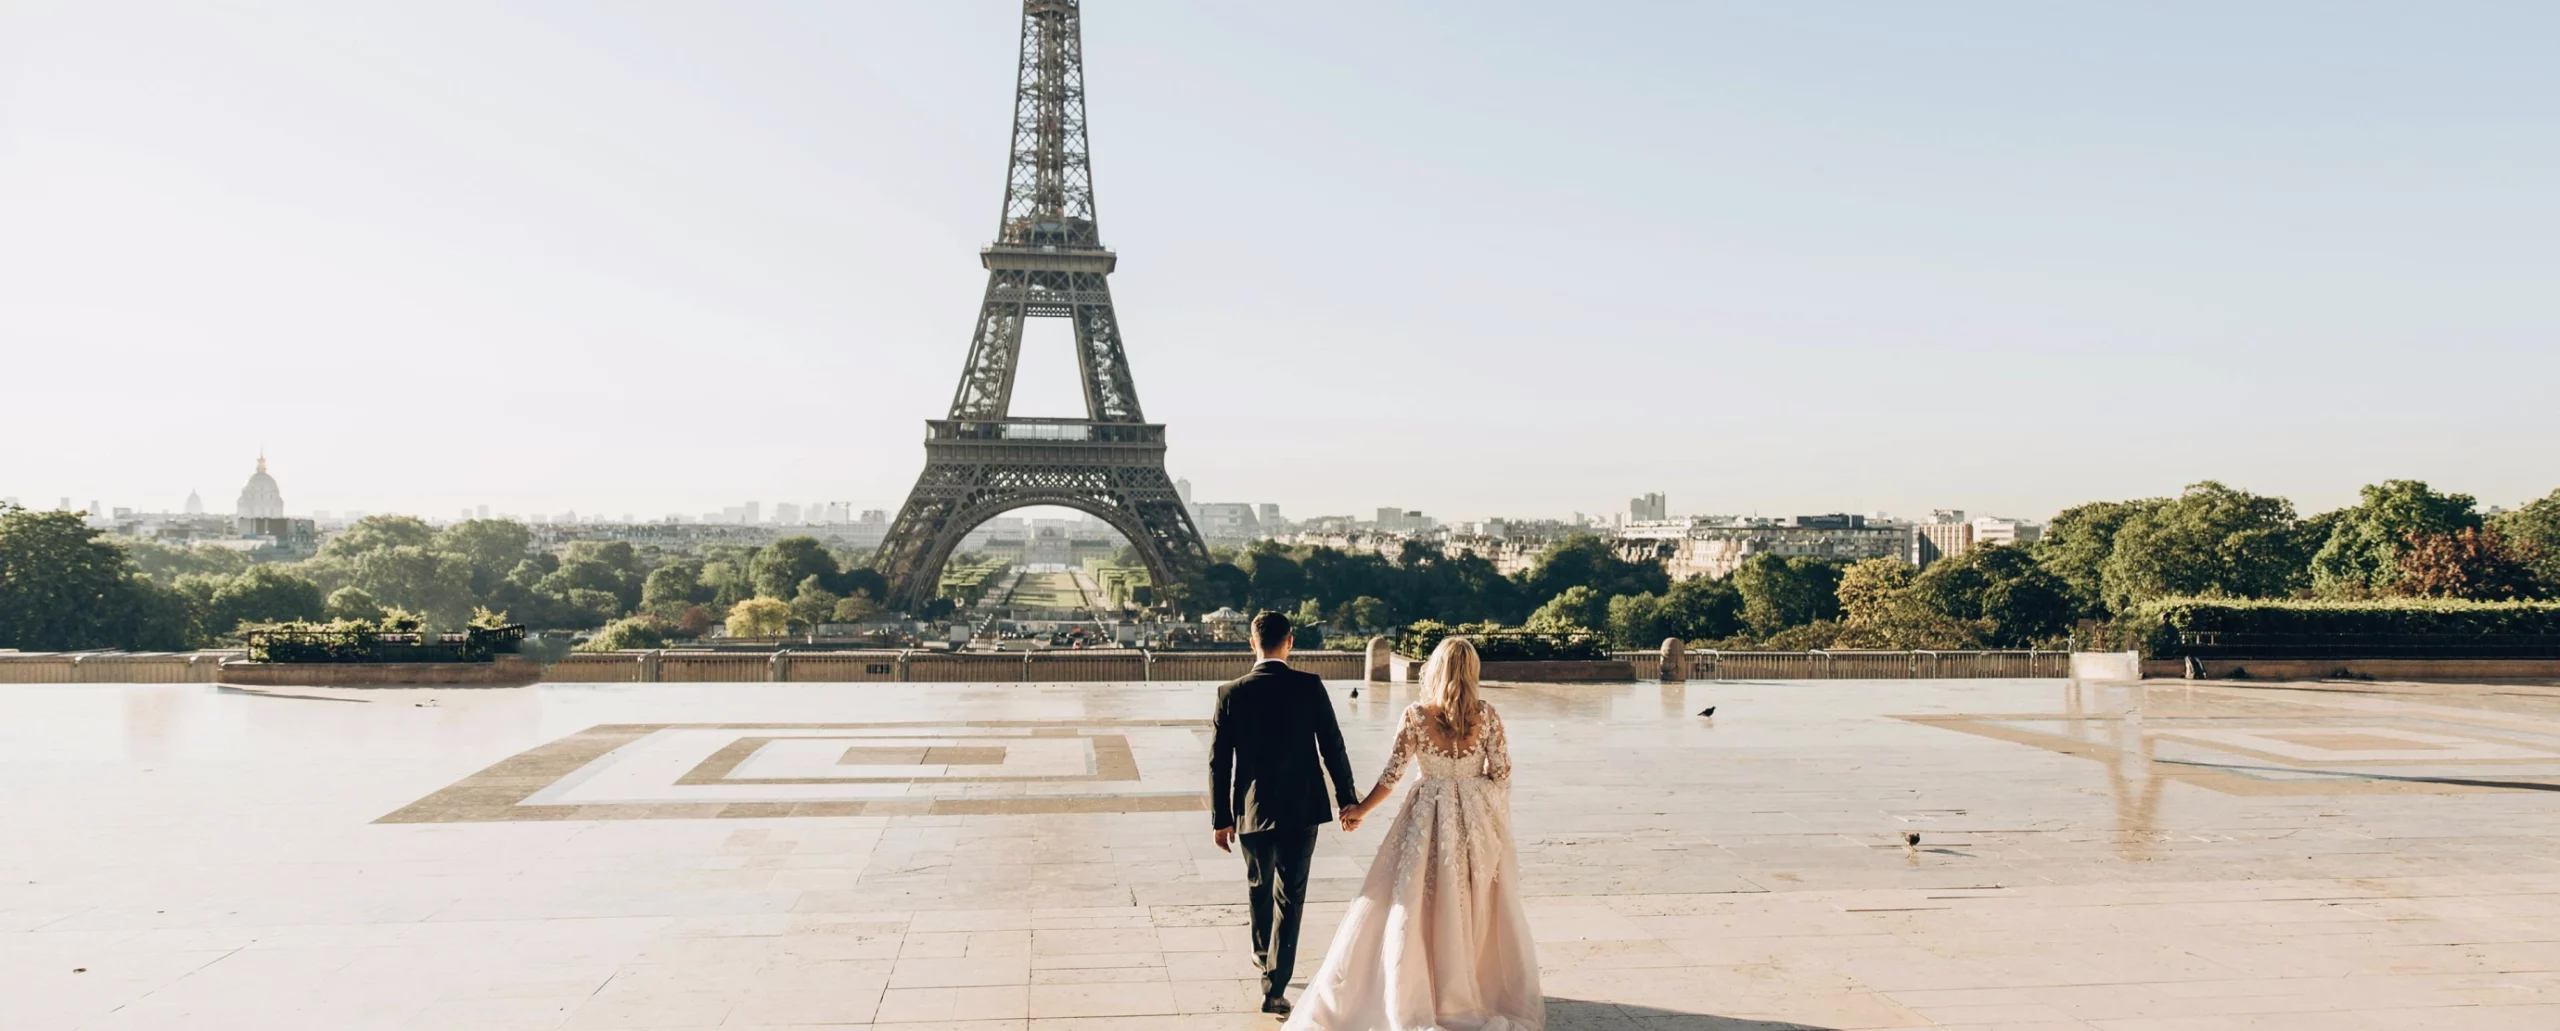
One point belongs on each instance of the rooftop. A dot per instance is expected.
(1018, 857)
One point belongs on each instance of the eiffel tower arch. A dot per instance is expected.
(1047, 262)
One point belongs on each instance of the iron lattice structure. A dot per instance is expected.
(1047, 261)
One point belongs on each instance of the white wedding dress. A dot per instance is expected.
(1437, 940)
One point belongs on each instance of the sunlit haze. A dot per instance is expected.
(1471, 259)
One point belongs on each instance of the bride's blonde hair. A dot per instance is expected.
(1449, 685)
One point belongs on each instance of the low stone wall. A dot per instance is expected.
(925, 666)
(504, 671)
(111, 667)
(2359, 669)
(1584, 671)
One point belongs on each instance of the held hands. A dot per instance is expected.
(1352, 815)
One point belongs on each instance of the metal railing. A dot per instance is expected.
(1876, 665)
(1079, 666)
(2213, 644)
(112, 667)
(920, 666)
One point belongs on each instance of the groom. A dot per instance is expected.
(1266, 793)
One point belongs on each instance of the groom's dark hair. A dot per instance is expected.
(1270, 630)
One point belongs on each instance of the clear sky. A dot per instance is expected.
(1472, 258)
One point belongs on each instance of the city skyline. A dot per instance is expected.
(2004, 261)
(768, 509)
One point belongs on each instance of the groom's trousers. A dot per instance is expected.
(1275, 867)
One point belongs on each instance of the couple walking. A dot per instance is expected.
(1437, 939)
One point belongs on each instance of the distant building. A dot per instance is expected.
(751, 513)
(1648, 508)
(260, 499)
(1832, 521)
(1934, 540)
(1271, 521)
(293, 538)
(1399, 520)
(1049, 546)
(195, 502)
(786, 514)
(1995, 530)
(1226, 521)
(1182, 489)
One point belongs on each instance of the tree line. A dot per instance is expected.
(64, 585)
(2093, 563)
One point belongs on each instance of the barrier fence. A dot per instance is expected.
(1081, 666)
(112, 667)
(1875, 665)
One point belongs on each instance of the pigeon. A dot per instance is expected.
(1911, 839)
(1708, 711)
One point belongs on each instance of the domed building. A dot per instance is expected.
(260, 499)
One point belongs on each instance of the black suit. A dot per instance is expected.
(1273, 725)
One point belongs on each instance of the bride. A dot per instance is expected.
(1437, 940)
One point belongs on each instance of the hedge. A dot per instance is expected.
(1497, 643)
(2154, 626)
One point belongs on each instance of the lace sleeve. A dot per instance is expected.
(1497, 746)
(1408, 730)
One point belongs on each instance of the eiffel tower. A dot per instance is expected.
(1047, 260)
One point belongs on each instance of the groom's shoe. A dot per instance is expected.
(1276, 1006)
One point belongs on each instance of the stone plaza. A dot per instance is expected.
(1028, 857)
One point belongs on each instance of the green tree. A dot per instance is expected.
(1870, 590)
(2533, 533)
(2015, 600)
(1365, 612)
(1635, 620)
(856, 608)
(673, 584)
(378, 533)
(1780, 592)
(586, 608)
(490, 548)
(2362, 555)
(813, 603)
(62, 587)
(167, 562)
(409, 576)
(636, 633)
(1587, 561)
(1309, 613)
(777, 569)
(759, 617)
(862, 580)
(1880, 609)
(1277, 581)
(727, 584)
(2209, 540)
(1702, 609)
(352, 603)
(2076, 546)
(1575, 608)
(1220, 585)
(608, 566)
(258, 594)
